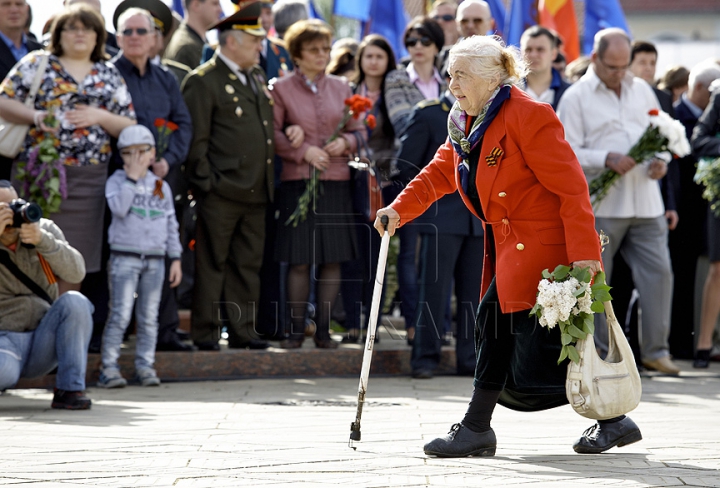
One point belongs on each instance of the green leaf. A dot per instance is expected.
(589, 325)
(597, 307)
(566, 339)
(573, 353)
(581, 274)
(600, 278)
(54, 184)
(535, 310)
(561, 272)
(602, 296)
(546, 274)
(575, 332)
(563, 354)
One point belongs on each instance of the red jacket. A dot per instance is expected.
(535, 197)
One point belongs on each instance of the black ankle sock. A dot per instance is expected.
(479, 412)
(612, 420)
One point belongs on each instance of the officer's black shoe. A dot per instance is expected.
(174, 344)
(462, 442)
(251, 344)
(207, 345)
(601, 437)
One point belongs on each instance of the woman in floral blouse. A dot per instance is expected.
(89, 99)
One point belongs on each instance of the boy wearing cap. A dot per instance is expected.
(143, 230)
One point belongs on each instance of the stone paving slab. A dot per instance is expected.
(294, 432)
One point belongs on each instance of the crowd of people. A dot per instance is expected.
(187, 166)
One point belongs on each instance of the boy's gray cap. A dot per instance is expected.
(135, 134)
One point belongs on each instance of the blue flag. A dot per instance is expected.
(312, 11)
(523, 14)
(177, 6)
(353, 9)
(497, 9)
(388, 18)
(599, 15)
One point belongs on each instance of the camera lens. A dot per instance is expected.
(31, 212)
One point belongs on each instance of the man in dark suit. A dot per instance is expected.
(14, 44)
(689, 242)
(230, 169)
(451, 249)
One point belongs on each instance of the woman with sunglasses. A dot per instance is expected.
(404, 88)
(88, 98)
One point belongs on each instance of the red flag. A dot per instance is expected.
(559, 15)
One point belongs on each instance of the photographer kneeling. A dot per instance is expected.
(38, 330)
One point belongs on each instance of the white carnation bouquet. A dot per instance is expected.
(663, 134)
(569, 298)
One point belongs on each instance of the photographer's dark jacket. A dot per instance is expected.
(20, 309)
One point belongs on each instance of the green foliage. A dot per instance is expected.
(578, 325)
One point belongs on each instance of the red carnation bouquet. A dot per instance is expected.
(355, 106)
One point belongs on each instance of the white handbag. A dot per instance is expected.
(602, 389)
(12, 136)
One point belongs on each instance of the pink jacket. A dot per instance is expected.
(318, 115)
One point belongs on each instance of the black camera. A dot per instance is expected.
(24, 212)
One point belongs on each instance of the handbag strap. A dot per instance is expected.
(37, 80)
(24, 279)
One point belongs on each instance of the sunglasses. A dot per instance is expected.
(424, 40)
(141, 32)
(446, 17)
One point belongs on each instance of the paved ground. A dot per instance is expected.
(278, 432)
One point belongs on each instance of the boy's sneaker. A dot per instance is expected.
(111, 378)
(70, 400)
(148, 377)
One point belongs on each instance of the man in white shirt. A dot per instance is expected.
(604, 114)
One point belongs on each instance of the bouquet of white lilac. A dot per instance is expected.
(663, 134)
(708, 175)
(567, 298)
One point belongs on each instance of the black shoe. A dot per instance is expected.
(182, 335)
(702, 359)
(601, 437)
(95, 346)
(251, 344)
(462, 442)
(70, 400)
(422, 374)
(174, 344)
(207, 345)
(352, 337)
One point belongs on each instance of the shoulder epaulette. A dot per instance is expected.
(175, 64)
(429, 102)
(204, 68)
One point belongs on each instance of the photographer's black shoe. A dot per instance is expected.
(70, 400)
(601, 437)
(462, 442)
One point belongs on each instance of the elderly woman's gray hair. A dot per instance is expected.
(490, 58)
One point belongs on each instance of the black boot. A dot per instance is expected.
(462, 442)
(607, 434)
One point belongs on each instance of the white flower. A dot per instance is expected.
(673, 131)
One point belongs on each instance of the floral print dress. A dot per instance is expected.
(85, 152)
(103, 87)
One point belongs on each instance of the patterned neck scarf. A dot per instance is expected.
(464, 144)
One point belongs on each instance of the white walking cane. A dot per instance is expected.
(370, 339)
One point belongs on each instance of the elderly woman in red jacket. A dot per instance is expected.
(507, 156)
(316, 102)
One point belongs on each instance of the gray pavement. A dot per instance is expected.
(282, 432)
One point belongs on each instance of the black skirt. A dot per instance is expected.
(518, 356)
(713, 232)
(328, 233)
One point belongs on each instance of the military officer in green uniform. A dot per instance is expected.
(230, 171)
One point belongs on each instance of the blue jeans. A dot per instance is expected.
(126, 276)
(61, 339)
